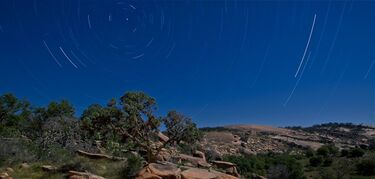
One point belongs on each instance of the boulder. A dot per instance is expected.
(221, 175)
(99, 156)
(24, 166)
(49, 168)
(200, 155)
(83, 175)
(164, 155)
(229, 168)
(195, 173)
(147, 175)
(9, 170)
(5, 175)
(196, 161)
(163, 137)
(76, 177)
(166, 170)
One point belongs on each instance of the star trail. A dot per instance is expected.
(221, 62)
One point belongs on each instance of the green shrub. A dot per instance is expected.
(327, 162)
(247, 165)
(134, 164)
(356, 152)
(366, 167)
(328, 150)
(315, 161)
(309, 152)
(344, 152)
(272, 165)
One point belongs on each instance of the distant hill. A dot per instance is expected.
(263, 139)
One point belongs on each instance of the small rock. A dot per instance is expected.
(200, 155)
(48, 168)
(5, 175)
(25, 165)
(10, 170)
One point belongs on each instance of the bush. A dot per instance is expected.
(366, 167)
(274, 165)
(278, 171)
(309, 152)
(315, 161)
(134, 164)
(328, 150)
(17, 150)
(344, 153)
(327, 162)
(356, 152)
(247, 165)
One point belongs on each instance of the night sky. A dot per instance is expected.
(219, 62)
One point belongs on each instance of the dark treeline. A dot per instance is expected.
(126, 124)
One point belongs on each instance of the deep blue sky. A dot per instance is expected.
(220, 62)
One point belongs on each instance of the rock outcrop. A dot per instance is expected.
(195, 173)
(194, 161)
(5, 175)
(162, 170)
(83, 175)
(170, 171)
(229, 168)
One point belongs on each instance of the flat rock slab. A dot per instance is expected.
(195, 173)
(164, 170)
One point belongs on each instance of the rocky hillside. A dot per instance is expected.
(255, 139)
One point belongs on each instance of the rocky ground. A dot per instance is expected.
(205, 162)
(255, 139)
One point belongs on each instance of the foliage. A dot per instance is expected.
(62, 109)
(356, 152)
(366, 167)
(315, 161)
(181, 128)
(13, 115)
(134, 164)
(327, 162)
(328, 150)
(344, 152)
(17, 150)
(132, 121)
(272, 165)
(309, 152)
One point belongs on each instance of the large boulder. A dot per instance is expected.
(9, 170)
(5, 175)
(200, 155)
(83, 175)
(162, 137)
(195, 161)
(223, 175)
(159, 170)
(146, 174)
(164, 155)
(195, 173)
(167, 170)
(229, 168)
